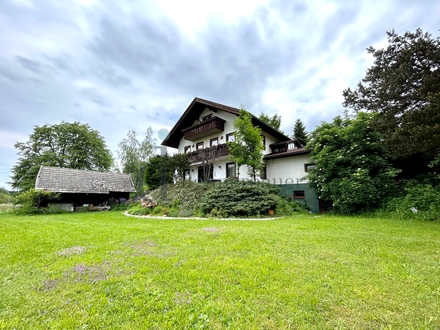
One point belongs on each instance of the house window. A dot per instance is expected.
(199, 146)
(280, 149)
(230, 137)
(231, 170)
(263, 173)
(214, 142)
(292, 146)
(308, 167)
(187, 149)
(263, 138)
(299, 194)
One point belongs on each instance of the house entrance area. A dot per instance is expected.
(205, 173)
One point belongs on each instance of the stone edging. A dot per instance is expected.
(197, 218)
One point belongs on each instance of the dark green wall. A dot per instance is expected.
(311, 199)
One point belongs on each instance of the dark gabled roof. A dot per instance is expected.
(67, 180)
(194, 111)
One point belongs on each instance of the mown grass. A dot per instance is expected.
(105, 270)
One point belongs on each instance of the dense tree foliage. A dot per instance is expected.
(247, 147)
(134, 156)
(163, 169)
(158, 171)
(299, 132)
(351, 167)
(274, 121)
(403, 87)
(6, 196)
(70, 145)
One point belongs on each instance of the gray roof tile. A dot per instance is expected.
(69, 180)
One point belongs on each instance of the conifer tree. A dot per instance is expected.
(299, 132)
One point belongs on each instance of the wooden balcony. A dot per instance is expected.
(208, 155)
(207, 127)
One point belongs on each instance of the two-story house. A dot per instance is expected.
(203, 132)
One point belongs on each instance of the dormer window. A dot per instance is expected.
(291, 146)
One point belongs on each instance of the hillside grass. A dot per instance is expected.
(106, 270)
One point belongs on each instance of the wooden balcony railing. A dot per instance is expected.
(207, 127)
(208, 155)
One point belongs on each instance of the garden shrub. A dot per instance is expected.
(239, 198)
(120, 204)
(352, 168)
(420, 201)
(286, 207)
(184, 195)
(31, 201)
(160, 210)
(138, 209)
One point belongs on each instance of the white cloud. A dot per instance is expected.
(120, 66)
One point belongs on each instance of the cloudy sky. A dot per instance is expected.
(119, 66)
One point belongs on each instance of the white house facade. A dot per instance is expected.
(203, 131)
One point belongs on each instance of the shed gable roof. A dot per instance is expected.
(67, 180)
(195, 109)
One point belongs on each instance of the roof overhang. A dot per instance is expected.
(288, 153)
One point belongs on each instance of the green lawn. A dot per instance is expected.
(105, 270)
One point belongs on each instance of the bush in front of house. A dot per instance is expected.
(181, 198)
(287, 207)
(239, 198)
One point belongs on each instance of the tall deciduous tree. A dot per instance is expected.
(351, 168)
(70, 145)
(247, 147)
(299, 132)
(403, 87)
(274, 121)
(134, 155)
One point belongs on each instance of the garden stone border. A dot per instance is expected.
(198, 218)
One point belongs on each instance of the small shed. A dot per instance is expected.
(79, 187)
